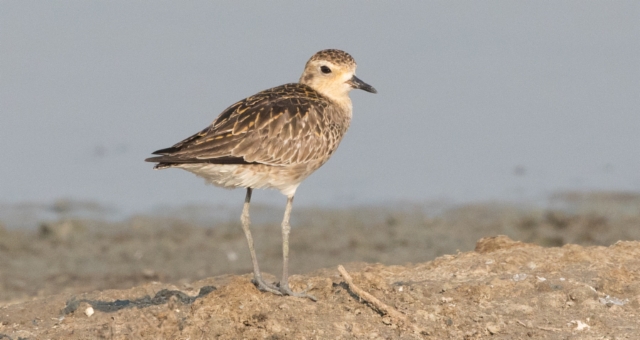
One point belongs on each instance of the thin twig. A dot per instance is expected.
(372, 300)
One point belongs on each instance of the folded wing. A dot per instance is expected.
(281, 126)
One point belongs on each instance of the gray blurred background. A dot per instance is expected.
(477, 101)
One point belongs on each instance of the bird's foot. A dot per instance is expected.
(285, 290)
(263, 286)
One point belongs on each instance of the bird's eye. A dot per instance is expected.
(325, 69)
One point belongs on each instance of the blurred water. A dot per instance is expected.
(477, 101)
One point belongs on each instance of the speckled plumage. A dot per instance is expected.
(334, 56)
(274, 139)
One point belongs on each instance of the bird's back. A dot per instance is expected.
(286, 128)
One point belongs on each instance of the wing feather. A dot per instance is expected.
(279, 126)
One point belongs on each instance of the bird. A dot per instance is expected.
(274, 139)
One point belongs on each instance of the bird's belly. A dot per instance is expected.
(256, 176)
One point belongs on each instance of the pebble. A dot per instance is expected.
(89, 311)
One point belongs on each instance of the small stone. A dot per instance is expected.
(446, 299)
(89, 311)
(493, 328)
(386, 320)
(580, 326)
(613, 301)
(582, 293)
(519, 277)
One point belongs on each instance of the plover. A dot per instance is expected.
(274, 139)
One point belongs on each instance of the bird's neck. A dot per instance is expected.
(345, 103)
(341, 99)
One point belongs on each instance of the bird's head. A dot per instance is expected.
(333, 74)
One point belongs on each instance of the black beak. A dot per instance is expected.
(356, 83)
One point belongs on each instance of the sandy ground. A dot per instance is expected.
(575, 275)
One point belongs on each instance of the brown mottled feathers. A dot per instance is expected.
(336, 56)
(281, 126)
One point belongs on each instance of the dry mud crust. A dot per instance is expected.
(503, 290)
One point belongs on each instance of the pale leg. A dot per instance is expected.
(286, 229)
(246, 222)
